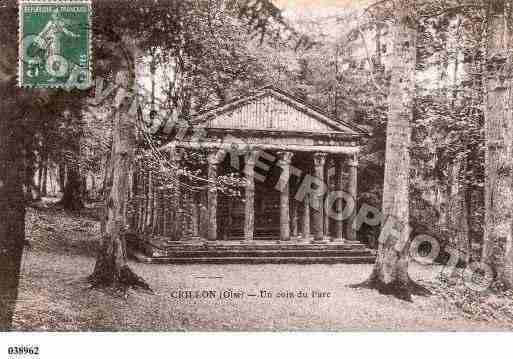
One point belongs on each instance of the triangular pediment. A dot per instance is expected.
(273, 110)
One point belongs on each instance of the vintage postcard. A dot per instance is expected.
(255, 165)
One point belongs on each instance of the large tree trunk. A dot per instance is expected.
(457, 221)
(111, 269)
(12, 208)
(14, 105)
(457, 211)
(498, 240)
(390, 272)
(473, 97)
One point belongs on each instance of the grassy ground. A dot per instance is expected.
(54, 296)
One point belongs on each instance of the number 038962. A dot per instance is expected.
(23, 350)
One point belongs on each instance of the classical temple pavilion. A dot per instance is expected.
(292, 158)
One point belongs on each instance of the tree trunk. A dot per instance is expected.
(44, 184)
(140, 198)
(497, 248)
(390, 272)
(457, 220)
(40, 175)
(105, 194)
(441, 204)
(12, 208)
(111, 269)
(149, 209)
(72, 199)
(472, 88)
(31, 189)
(62, 176)
(457, 211)
(14, 105)
(90, 189)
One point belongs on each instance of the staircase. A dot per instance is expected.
(165, 251)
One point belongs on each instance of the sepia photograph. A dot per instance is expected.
(255, 166)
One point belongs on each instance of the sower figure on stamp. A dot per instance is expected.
(49, 38)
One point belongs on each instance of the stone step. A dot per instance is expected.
(164, 250)
(260, 253)
(295, 249)
(253, 245)
(258, 237)
(253, 260)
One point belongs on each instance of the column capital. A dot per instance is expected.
(251, 156)
(285, 157)
(213, 160)
(319, 158)
(352, 161)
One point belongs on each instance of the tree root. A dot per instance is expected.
(120, 279)
(396, 288)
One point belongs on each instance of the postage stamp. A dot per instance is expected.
(54, 44)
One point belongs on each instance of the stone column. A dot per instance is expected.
(195, 214)
(306, 218)
(352, 183)
(318, 197)
(214, 158)
(294, 219)
(249, 205)
(327, 219)
(285, 158)
(340, 186)
(305, 215)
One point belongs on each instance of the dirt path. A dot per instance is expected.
(53, 295)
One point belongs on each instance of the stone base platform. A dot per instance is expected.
(195, 251)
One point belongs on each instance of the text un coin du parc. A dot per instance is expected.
(241, 294)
